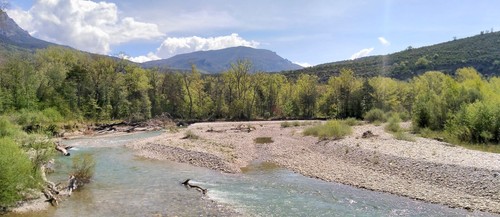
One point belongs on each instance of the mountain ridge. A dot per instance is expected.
(217, 61)
(480, 51)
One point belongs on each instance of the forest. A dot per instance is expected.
(58, 88)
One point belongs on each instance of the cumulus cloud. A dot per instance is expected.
(384, 41)
(362, 53)
(173, 46)
(83, 24)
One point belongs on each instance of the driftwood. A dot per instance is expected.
(198, 188)
(72, 184)
(244, 128)
(63, 149)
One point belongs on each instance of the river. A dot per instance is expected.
(127, 185)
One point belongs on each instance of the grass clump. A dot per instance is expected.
(83, 167)
(352, 121)
(375, 115)
(393, 125)
(190, 135)
(263, 140)
(285, 124)
(333, 129)
(400, 135)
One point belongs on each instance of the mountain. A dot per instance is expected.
(217, 61)
(12, 34)
(481, 52)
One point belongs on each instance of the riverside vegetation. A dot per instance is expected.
(57, 89)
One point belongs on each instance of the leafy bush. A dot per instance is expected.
(400, 135)
(476, 123)
(375, 115)
(351, 121)
(7, 129)
(333, 129)
(393, 125)
(263, 140)
(15, 175)
(83, 167)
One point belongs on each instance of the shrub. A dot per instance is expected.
(375, 115)
(351, 121)
(15, 175)
(285, 124)
(83, 167)
(393, 125)
(263, 140)
(333, 129)
(190, 135)
(400, 135)
(7, 129)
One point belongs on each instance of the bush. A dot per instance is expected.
(375, 115)
(400, 135)
(333, 129)
(190, 135)
(393, 125)
(351, 121)
(16, 170)
(7, 129)
(263, 140)
(83, 167)
(285, 124)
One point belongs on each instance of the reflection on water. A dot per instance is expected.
(125, 185)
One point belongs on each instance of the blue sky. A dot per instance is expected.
(303, 31)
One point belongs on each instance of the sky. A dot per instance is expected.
(307, 32)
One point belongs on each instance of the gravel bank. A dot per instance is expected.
(425, 169)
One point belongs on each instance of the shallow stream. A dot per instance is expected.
(126, 185)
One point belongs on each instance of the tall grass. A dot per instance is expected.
(83, 167)
(333, 129)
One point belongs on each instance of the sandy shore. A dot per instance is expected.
(426, 169)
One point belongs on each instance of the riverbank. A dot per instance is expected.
(426, 169)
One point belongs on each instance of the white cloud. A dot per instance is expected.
(140, 59)
(362, 53)
(83, 24)
(305, 65)
(384, 41)
(173, 46)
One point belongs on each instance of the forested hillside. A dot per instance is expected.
(481, 52)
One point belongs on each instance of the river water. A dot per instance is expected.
(127, 185)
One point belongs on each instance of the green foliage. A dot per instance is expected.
(263, 140)
(352, 121)
(83, 167)
(375, 115)
(16, 171)
(285, 124)
(393, 124)
(401, 135)
(333, 129)
(7, 129)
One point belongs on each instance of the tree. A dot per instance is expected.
(307, 95)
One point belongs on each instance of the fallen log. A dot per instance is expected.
(72, 184)
(198, 188)
(63, 149)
